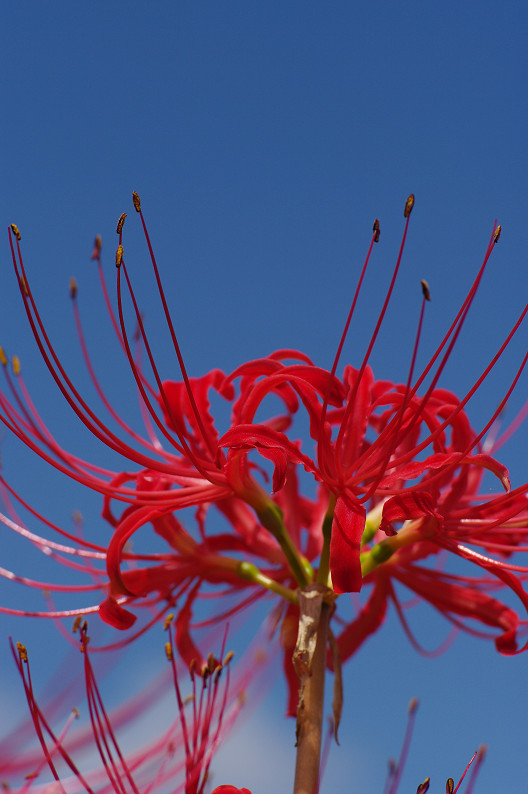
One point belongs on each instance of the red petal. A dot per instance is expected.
(407, 506)
(115, 615)
(347, 528)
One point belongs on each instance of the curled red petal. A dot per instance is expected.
(407, 506)
(116, 615)
(230, 790)
(347, 528)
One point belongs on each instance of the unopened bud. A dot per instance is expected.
(409, 204)
(425, 290)
(137, 201)
(121, 222)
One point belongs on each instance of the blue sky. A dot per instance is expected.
(264, 139)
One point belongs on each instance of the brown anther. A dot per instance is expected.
(15, 231)
(228, 657)
(98, 244)
(450, 785)
(497, 233)
(73, 288)
(212, 663)
(413, 705)
(119, 255)
(15, 363)
(24, 286)
(192, 667)
(425, 290)
(22, 652)
(409, 204)
(3, 357)
(76, 713)
(423, 787)
(76, 624)
(121, 222)
(376, 230)
(168, 651)
(168, 621)
(137, 201)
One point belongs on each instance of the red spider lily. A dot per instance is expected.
(183, 752)
(398, 469)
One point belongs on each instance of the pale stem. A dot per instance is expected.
(311, 722)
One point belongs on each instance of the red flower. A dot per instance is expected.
(397, 466)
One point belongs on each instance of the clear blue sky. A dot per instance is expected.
(264, 138)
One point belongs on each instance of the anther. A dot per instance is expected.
(450, 785)
(76, 624)
(137, 201)
(15, 231)
(73, 288)
(15, 363)
(413, 705)
(376, 229)
(76, 713)
(229, 656)
(98, 244)
(497, 233)
(119, 255)
(409, 204)
(22, 652)
(425, 290)
(168, 651)
(3, 357)
(168, 621)
(24, 286)
(121, 222)
(423, 787)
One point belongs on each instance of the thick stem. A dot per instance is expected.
(310, 722)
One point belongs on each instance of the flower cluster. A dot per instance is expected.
(396, 474)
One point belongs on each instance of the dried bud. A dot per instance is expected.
(137, 201)
(121, 222)
(409, 204)
(425, 290)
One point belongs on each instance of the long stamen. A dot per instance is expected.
(321, 440)
(210, 443)
(352, 396)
